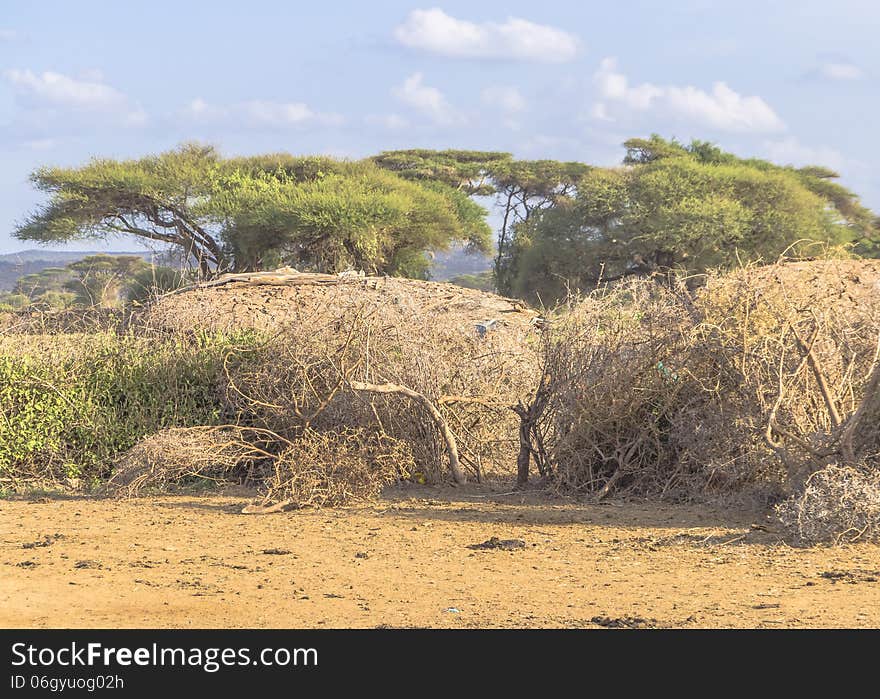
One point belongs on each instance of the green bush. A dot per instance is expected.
(70, 404)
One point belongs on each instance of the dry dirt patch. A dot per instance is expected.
(409, 560)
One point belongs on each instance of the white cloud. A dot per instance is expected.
(51, 91)
(543, 146)
(199, 110)
(507, 98)
(790, 151)
(136, 117)
(58, 89)
(600, 112)
(263, 113)
(8, 35)
(259, 113)
(840, 71)
(427, 100)
(435, 31)
(723, 108)
(92, 75)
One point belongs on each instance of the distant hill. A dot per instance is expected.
(14, 265)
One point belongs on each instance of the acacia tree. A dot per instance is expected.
(680, 209)
(47, 287)
(243, 213)
(519, 187)
(163, 199)
(468, 171)
(103, 280)
(328, 215)
(522, 188)
(97, 280)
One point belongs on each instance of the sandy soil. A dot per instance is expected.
(188, 561)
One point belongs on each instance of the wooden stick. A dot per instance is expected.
(820, 377)
(869, 399)
(451, 445)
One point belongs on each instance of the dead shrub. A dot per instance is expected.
(751, 384)
(41, 321)
(837, 504)
(398, 357)
(616, 382)
(318, 469)
(411, 383)
(173, 456)
(327, 469)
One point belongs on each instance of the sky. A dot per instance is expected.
(795, 82)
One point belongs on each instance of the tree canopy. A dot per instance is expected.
(466, 170)
(245, 213)
(674, 208)
(166, 199)
(519, 187)
(563, 225)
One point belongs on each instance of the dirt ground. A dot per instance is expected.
(413, 560)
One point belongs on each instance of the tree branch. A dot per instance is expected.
(451, 444)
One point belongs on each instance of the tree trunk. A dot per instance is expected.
(524, 457)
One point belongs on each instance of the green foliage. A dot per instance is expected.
(14, 301)
(109, 281)
(671, 208)
(153, 281)
(345, 215)
(523, 189)
(520, 187)
(464, 170)
(69, 406)
(102, 280)
(164, 198)
(246, 213)
(537, 178)
(681, 209)
(35, 286)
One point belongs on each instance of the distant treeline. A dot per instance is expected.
(564, 226)
(109, 281)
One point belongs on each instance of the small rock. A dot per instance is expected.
(496, 543)
(47, 540)
(87, 564)
(624, 622)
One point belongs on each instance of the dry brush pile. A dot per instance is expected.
(362, 381)
(764, 382)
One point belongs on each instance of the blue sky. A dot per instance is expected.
(795, 82)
